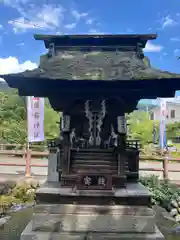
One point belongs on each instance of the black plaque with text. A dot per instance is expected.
(94, 181)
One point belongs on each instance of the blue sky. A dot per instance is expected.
(20, 19)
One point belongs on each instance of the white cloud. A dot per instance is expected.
(95, 31)
(177, 51)
(48, 17)
(21, 24)
(150, 47)
(39, 17)
(150, 29)
(9, 2)
(89, 21)
(168, 22)
(12, 65)
(20, 44)
(175, 39)
(70, 26)
(17, 4)
(77, 15)
(1, 26)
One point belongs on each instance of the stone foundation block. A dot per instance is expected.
(83, 218)
(28, 234)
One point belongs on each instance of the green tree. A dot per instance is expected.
(140, 127)
(173, 130)
(13, 119)
(51, 119)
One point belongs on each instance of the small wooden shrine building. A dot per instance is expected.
(94, 80)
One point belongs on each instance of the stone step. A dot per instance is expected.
(92, 153)
(94, 161)
(74, 175)
(95, 157)
(111, 172)
(91, 150)
(91, 166)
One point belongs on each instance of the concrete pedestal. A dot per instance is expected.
(84, 215)
(28, 234)
(53, 175)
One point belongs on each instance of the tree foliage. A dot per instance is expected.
(13, 119)
(140, 127)
(173, 130)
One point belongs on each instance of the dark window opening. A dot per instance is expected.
(172, 113)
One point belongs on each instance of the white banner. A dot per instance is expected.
(163, 108)
(35, 115)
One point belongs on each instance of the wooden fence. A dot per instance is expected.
(17, 150)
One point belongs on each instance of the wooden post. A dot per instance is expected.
(28, 163)
(24, 155)
(165, 168)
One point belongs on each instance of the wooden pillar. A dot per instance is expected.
(53, 174)
(121, 129)
(133, 165)
(65, 128)
(121, 153)
(121, 124)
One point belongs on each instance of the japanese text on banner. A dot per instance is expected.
(35, 107)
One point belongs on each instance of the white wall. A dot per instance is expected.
(170, 106)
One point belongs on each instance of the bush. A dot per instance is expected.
(20, 193)
(24, 192)
(6, 202)
(175, 154)
(162, 192)
(7, 187)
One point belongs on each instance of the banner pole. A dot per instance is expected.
(28, 153)
(28, 162)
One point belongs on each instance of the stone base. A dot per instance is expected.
(71, 221)
(130, 194)
(93, 218)
(66, 213)
(28, 234)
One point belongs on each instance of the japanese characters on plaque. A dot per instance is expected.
(100, 181)
(35, 109)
